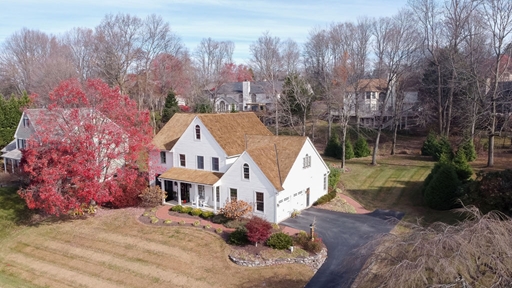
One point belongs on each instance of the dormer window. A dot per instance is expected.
(198, 132)
(246, 171)
(26, 121)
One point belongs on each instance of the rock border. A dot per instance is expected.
(314, 262)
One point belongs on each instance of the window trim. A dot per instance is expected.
(202, 162)
(231, 196)
(325, 181)
(256, 202)
(306, 161)
(163, 157)
(246, 173)
(218, 164)
(197, 132)
(26, 121)
(183, 163)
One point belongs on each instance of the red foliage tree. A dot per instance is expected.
(86, 146)
(258, 230)
(233, 73)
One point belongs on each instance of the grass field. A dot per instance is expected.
(113, 249)
(394, 184)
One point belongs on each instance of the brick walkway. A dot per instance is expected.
(163, 214)
(359, 209)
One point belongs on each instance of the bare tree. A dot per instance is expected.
(395, 44)
(473, 253)
(80, 42)
(290, 56)
(298, 96)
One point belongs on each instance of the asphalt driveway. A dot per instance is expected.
(342, 233)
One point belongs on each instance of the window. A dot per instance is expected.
(163, 157)
(368, 95)
(215, 164)
(26, 122)
(260, 202)
(246, 171)
(217, 194)
(22, 144)
(306, 161)
(233, 194)
(198, 132)
(325, 181)
(182, 160)
(200, 162)
(200, 191)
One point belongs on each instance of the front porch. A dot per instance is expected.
(193, 188)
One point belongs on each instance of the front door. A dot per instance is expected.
(168, 187)
(185, 192)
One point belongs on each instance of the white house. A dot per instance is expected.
(33, 120)
(210, 159)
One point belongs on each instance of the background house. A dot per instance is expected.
(215, 158)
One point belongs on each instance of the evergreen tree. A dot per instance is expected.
(333, 148)
(469, 150)
(440, 194)
(170, 107)
(462, 168)
(349, 154)
(429, 147)
(361, 148)
(10, 115)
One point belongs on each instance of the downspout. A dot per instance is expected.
(280, 182)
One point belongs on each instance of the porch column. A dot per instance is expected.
(12, 165)
(179, 193)
(214, 198)
(163, 189)
(196, 196)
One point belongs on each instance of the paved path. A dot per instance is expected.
(359, 208)
(342, 233)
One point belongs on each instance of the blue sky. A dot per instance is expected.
(239, 21)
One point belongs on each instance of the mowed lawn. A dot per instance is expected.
(394, 184)
(113, 249)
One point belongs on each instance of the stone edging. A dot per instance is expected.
(314, 261)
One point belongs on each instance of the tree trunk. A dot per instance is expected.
(393, 145)
(439, 100)
(376, 147)
(304, 123)
(277, 118)
(343, 144)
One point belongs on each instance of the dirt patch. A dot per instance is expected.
(338, 204)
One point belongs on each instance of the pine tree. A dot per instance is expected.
(170, 107)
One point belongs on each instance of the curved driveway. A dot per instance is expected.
(342, 233)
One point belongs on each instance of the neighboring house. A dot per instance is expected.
(32, 120)
(215, 158)
(246, 96)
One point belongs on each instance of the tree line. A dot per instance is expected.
(455, 53)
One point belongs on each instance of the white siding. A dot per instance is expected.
(299, 179)
(247, 189)
(206, 147)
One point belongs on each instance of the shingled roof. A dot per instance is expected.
(229, 130)
(275, 155)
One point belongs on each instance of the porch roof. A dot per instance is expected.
(191, 175)
(13, 154)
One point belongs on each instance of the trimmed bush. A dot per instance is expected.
(239, 236)
(440, 194)
(280, 241)
(219, 219)
(314, 246)
(177, 208)
(218, 230)
(234, 224)
(361, 148)
(151, 196)
(196, 223)
(349, 154)
(334, 177)
(207, 214)
(333, 148)
(258, 230)
(429, 147)
(236, 209)
(186, 210)
(326, 198)
(196, 212)
(301, 238)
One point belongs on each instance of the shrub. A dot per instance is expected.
(443, 148)
(196, 212)
(295, 213)
(301, 238)
(258, 230)
(239, 236)
(313, 246)
(494, 191)
(207, 226)
(441, 191)
(196, 223)
(146, 214)
(219, 219)
(361, 148)
(326, 198)
(168, 222)
(280, 241)
(207, 214)
(429, 147)
(349, 154)
(234, 224)
(469, 150)
(334, 177)
(154, 220)
(462, 168)
(151, 196)
(333, 148)
(177, 208)
(236, 209)
(186, 210)
(218, 230)
(182, 222)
